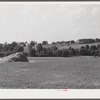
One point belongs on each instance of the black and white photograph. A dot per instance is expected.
(49, 45)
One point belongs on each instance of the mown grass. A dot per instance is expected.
(52, 73)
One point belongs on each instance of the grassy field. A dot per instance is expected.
(52, 73)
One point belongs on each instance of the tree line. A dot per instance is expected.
(38, 50)
(53, 51)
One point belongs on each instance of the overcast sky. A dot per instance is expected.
(40, 21)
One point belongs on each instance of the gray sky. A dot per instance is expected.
(38, 21)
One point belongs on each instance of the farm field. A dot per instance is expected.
(52, 73)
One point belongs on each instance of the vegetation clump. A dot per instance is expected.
(16, 57)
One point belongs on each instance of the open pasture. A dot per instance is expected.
(52, 73)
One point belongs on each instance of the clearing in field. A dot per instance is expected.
(52, 73)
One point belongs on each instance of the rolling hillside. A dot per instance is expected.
(64, 46)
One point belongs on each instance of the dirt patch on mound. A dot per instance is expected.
(17, 57)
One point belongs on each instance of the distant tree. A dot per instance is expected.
(55, 53)
(98, 46)
(32, 43)
(44, 42)
(22, 44)
(49, 52)
(39, 48)
(96, 53)
(93, 47)
(59, 53)
(18, 48)
(77, 51)
(32, 53)
(65, 53)
(83, 51)
(43, 52)
(14, 44)
(87, 47)
(92, 52)
(10, 47)
(71, 51)
(5, 46)
(53, 43)
(1, 47)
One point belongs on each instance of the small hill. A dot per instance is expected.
(17, 57)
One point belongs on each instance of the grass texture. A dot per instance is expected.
(51, 73)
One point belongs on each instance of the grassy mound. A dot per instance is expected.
(17, 57)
